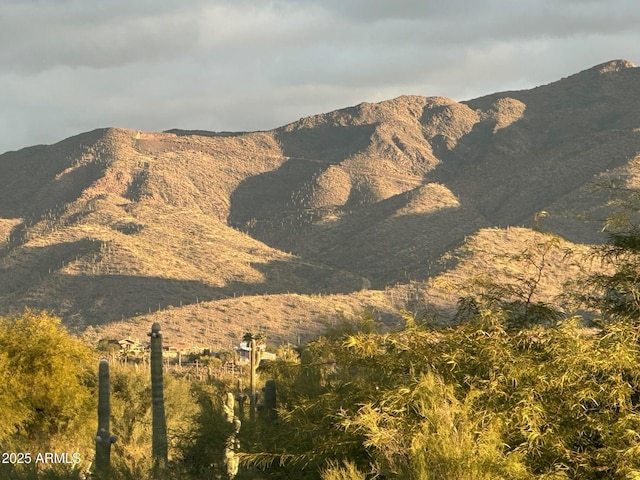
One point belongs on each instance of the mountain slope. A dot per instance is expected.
(500, 158)
(112, 225)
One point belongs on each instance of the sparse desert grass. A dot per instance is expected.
(6, 225)
(283, 317)
(512, 256)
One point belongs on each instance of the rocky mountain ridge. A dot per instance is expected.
(356, 208)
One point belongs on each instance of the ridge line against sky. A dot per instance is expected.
(69, 66)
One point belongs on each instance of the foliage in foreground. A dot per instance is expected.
(46, 376)
(48, 404)
(473, 401)
(516, 391)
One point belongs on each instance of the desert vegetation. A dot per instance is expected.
(517, 387)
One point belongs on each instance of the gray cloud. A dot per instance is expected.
(68, 66)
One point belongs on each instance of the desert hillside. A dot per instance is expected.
(365, 207)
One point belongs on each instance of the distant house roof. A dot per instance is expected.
(129, 345)
(245, 347)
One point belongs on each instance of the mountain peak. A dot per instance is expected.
(611, 66)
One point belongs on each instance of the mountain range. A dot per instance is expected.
(367, 207)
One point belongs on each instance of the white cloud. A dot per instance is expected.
(69, 65)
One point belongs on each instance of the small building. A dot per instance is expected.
(131, 346)
(244, 352)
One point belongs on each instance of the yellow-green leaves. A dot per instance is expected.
(476, 400)
(46, 377)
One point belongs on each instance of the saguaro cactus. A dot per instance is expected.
(254, 361)
(103, 438)
(229, 407)
(240, 398)
(270, 399)
(231, 459)
(159, 423)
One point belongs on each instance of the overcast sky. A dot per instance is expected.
(69, 66)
